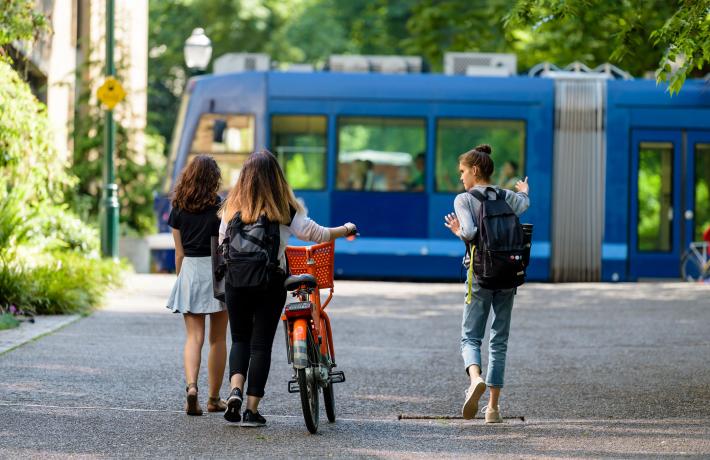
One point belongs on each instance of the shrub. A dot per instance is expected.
(48, 257)
(72, 283)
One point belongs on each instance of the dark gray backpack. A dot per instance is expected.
(499, 260)
(251, 252)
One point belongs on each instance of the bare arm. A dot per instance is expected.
(179, 253)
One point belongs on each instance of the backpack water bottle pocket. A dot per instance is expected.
(248, 270)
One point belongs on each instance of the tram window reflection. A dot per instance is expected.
(299, 142)
(381, 154)
(455, 136)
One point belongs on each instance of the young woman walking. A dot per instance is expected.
(476, 168)
(262, 190)
(194, 221)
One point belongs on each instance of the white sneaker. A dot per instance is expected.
(493, 415)
(473, 394)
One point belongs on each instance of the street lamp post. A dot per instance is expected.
(198, 51)
(109, 223)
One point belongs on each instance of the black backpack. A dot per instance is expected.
(251, 252)
(498, 247)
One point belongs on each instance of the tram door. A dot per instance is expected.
(670, 176)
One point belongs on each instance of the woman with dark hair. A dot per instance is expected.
(262, 190)
(476, 168)
(194, 221)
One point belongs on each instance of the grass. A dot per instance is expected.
(8, 321)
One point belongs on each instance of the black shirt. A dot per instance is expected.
(195, 229)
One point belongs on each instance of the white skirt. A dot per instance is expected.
(192, 292)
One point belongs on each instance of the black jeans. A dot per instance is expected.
(253, 319)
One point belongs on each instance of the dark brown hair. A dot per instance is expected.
(261, 189)
(480, 157)
(198, 185)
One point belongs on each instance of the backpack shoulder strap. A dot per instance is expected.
(478, 195)
(500, 193)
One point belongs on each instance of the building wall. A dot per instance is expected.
(77, 36)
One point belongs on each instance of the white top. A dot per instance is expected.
(302, 227)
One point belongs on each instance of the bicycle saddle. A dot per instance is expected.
(294, 281)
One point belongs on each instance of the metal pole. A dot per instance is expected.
(109, 222)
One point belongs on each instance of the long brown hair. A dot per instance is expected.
(198, 185)
(260, 190)
(479, 157)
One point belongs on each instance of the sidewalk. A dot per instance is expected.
(615, 370)
(27, 331)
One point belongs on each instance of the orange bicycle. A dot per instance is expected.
(309, 339)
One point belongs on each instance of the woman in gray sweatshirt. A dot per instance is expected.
(476, 168)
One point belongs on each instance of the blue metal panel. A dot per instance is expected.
(317, 204)
(428, 88)
(382, 214)
(616, 193)
(645, 93)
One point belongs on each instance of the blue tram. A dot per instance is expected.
(619, 171)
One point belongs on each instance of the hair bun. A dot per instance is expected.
(484, 148)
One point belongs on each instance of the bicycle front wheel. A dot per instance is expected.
(329, 399)
(329, 396)
(691, 268)
(308, 388)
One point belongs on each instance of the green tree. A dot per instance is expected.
(438, 26)
(19, 21)
(638, 35)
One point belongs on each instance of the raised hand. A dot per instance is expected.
(522, 185)
(452, 223)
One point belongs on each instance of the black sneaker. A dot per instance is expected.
(253, 419)
(234, 405)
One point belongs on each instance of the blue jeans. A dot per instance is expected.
(473, 328)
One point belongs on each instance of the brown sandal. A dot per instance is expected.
(216, 404)
(192, 405)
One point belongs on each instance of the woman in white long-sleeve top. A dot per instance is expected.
(262, 191)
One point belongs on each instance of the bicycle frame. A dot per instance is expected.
(319, 321)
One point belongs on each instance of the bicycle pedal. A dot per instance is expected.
(337, 377)
(293, 386)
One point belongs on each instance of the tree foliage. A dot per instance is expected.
(638, 35)
(19, 20)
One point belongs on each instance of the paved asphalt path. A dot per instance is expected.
(601, 370)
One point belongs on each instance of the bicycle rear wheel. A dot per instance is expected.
(691, 268)
(308, 388)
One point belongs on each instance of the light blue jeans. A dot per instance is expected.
(473, 328)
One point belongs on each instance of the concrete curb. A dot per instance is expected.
(27, 332)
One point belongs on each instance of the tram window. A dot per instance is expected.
(227, 138)
(456, 136)
(299, 142)
(655, 196)
(702, 189)
(381, 154)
